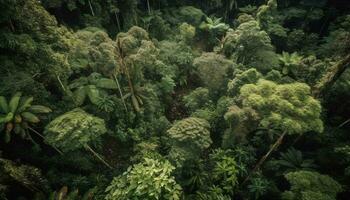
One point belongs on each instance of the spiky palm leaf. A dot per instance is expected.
(292, 160)
(289, 62)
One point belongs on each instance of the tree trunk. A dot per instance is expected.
(120, 91)
(36, 132)
(92, 10)
(149, 8)
(97, 156)
(131, 85)
(262, 159)
(328, 80)
(118, 22)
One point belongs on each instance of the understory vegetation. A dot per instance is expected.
(174, 99)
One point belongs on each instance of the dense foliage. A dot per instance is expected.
(174, 99)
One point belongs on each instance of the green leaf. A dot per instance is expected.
(24, 104)
(6, 118)
(30, 117)
(93, 93)
(106, 83)
(4, 107)
(39, 109)
(14, 102)
(79, 95)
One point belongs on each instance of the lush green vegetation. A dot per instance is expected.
(174, 99)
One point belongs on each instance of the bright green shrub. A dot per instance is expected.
(148, 180)
(188, 138)
(187, 32)
(74, 130)
(306, 185)
(287, 107)
(241, 78)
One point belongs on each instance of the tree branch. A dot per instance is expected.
(328, 80)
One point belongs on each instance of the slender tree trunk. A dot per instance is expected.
(118, 22)
(99, 157)
(92, 10)
(131, 86)
(11, 26)
(59, 80)
(36, 132)
(149, 8)
(342, 124)
(328, 80)
(262, 159)
(120, 91)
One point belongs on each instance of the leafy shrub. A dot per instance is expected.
(150, 179)
(307, 185)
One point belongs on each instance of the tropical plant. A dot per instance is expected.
(198, 98)
(251, 46)
(268, 20)
(106, 104)
(74, 130)
(212, 193)
(178, 58)
(214, 27)
(214, 24)
(306, 185)
(150, 179)
(18, 114)
(195, 175)
(187, 32)
(212, 70)
(288, 108)
(132, 47)
(290, 63)
(92, 87)
(258, 187)
(292, 160)
(241, 78)
(225, 172)
(188, 138)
